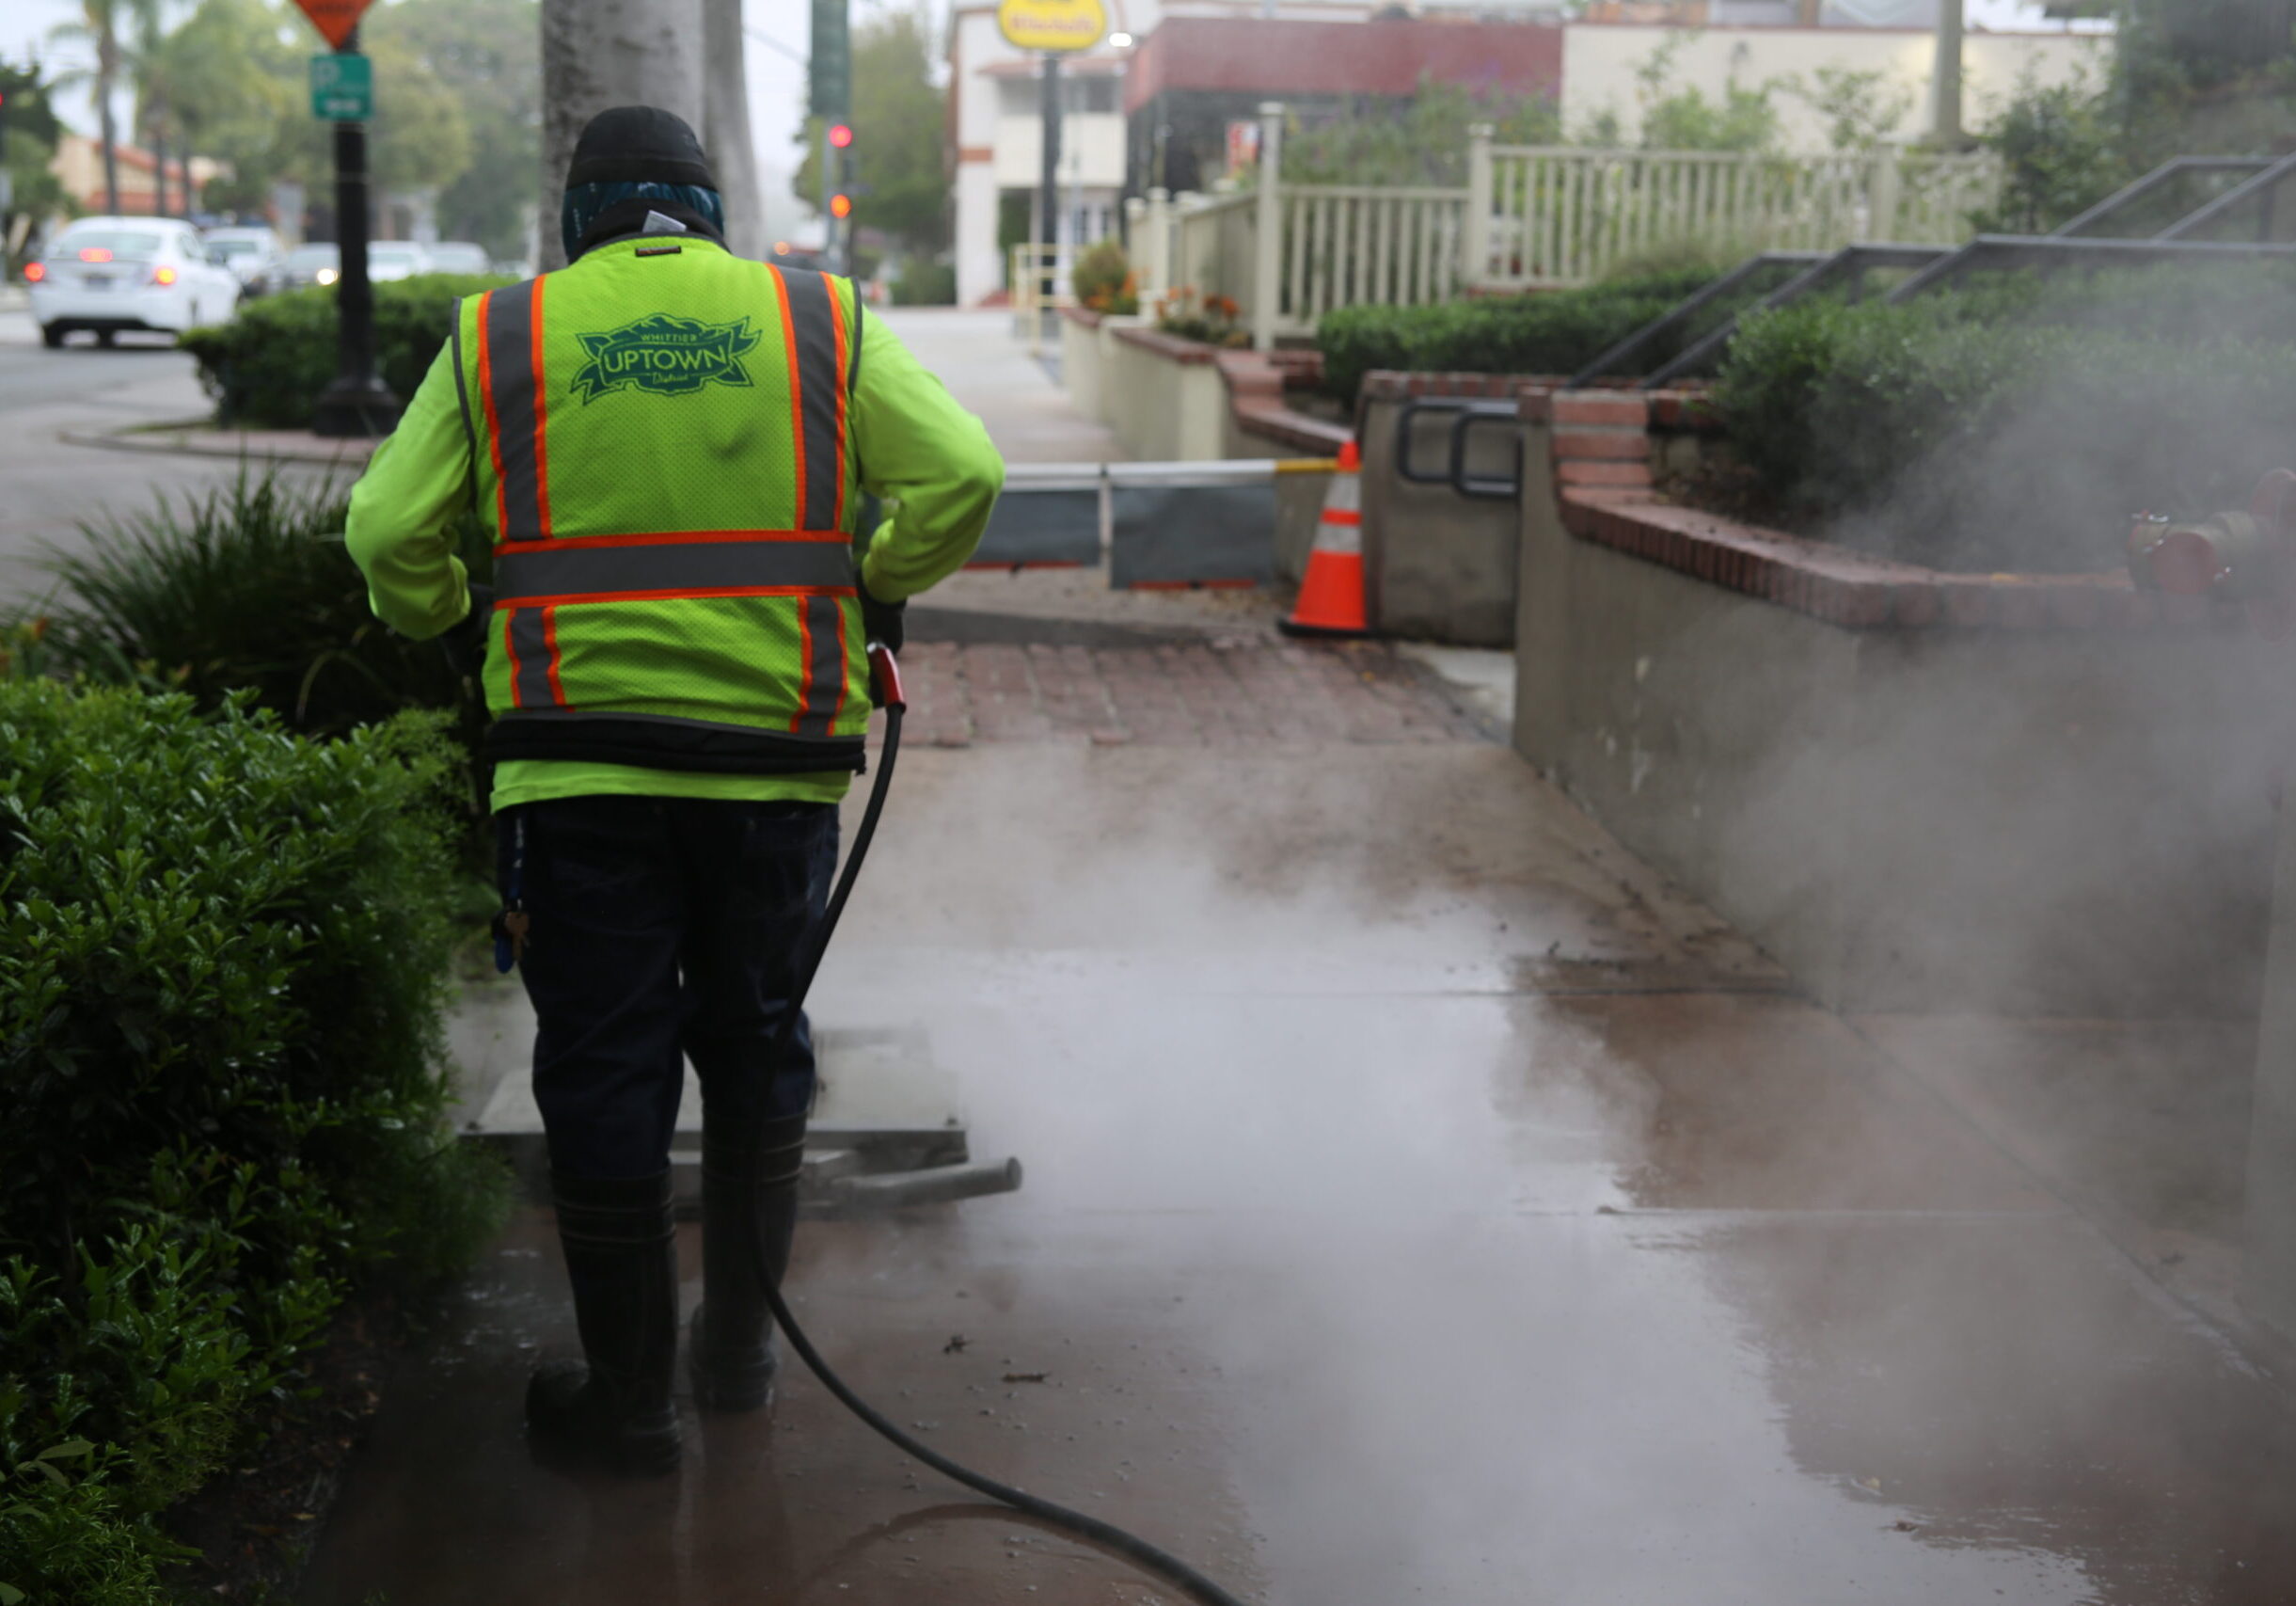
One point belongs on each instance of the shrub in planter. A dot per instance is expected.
(223, 963)
(2020, 426)
(267, 366)
(247, 587)
(1553, 333)
(1103, 280)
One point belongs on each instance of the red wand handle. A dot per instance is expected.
(885, 677)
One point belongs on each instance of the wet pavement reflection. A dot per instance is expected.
(1371, 1253)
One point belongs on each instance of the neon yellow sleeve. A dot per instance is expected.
(920, 451)
(402, 507)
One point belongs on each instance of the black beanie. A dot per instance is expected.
(639, 145)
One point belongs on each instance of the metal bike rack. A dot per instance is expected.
(1468, 416)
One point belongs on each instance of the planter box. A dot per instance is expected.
(1439, 567)
(2046, 795)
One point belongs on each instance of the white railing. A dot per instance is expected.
(1531, 217)
(1560, 214)
(1349, 245)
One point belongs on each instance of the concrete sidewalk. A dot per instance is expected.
(1424, 1202)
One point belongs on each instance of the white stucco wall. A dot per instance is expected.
(1599, 63)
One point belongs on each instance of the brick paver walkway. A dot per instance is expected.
(1211, 695)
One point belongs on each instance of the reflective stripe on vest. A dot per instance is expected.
(510, 381)
(718, 563)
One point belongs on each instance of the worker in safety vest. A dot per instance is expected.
(669, 447)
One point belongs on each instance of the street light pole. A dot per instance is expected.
(357, 404)
(1048, 203)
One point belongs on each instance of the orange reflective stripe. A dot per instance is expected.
(836, 314)
(494, 424)
(701, 594)
(797, 394)
(510, 652)
(541, 455)
(549, 636)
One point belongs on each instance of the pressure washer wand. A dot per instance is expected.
(885, 691)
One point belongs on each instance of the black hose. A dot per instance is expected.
(1106, 1535)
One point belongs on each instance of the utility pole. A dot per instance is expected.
(358, 403)
(1945, 81)
(1049, 189)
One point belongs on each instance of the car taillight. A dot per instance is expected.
(163, 276)
(34, 273)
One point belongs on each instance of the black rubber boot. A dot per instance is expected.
(746, 1211)
(619, 1238)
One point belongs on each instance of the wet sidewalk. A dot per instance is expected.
(1424, 1202)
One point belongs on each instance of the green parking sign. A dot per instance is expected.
(342, 87)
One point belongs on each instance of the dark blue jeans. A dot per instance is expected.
(664, 929)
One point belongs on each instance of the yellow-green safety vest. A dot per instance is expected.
(662, 445)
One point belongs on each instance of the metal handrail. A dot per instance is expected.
(1616, 358)
(2176, 167)
(1850, 261)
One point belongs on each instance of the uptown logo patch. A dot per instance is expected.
(670, 356)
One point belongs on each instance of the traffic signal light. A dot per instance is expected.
(840, 134)
(841, 206)
(830, 69)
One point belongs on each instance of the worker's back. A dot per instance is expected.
(662, 455)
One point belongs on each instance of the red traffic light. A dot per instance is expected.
(841, 206)
(840, 134)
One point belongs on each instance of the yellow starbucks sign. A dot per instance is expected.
(1051, 24)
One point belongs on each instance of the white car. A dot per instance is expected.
(250, 252)
(388, 259)
(110, 274)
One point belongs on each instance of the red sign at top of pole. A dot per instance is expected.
(334, 18)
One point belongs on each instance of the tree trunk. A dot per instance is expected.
(109, 136)
(733, 154)
(159, 171)
(598, 54)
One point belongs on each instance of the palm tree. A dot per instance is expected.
(100, 27)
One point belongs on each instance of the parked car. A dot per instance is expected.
(388, 259)
(252, 253)
(318, 263)
(112, 273)
(458, 256)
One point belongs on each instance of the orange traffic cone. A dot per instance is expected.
(1331, 597)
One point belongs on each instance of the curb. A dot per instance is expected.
(176, 440)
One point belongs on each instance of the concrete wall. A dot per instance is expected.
(2043, 821)
(1599, 63)
(1162, 409)
(1438, 566)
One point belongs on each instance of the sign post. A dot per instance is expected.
(358, 403)
(1056, 27)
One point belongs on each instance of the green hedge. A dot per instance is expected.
(267, 366)
(2017, 426)
(223, 963)
(247, 588)
(1557, 332)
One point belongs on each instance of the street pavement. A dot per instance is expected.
(50, 486)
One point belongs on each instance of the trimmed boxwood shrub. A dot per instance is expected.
(2019, 425)
(1557, 332)
(223, 968)
(267, 366)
